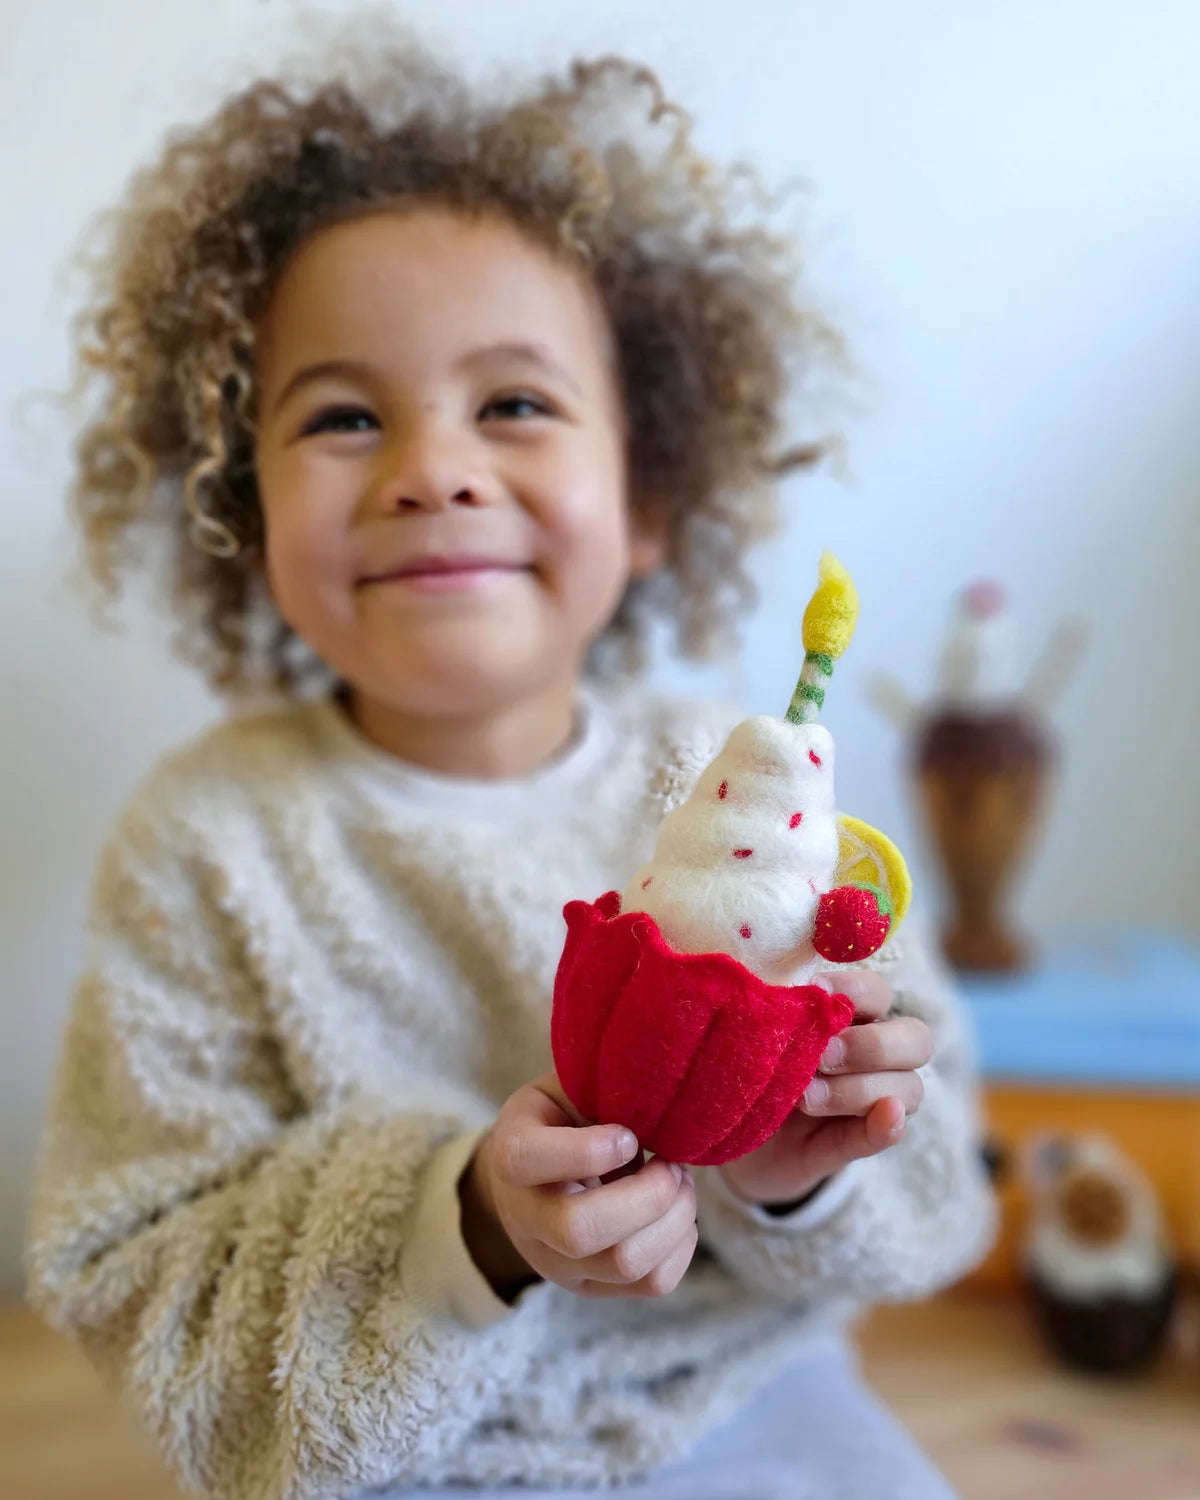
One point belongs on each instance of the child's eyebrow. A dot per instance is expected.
(525, 353)
(346, 369)
(353, 369)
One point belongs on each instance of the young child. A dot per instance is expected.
(439, 403)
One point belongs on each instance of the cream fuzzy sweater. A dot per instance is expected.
(315, 973)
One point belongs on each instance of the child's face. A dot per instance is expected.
(441, 461)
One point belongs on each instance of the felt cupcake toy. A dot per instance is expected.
(1096, 1256)
(684, 1008)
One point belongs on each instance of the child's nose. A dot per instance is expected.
(429, 473)
(437, 499)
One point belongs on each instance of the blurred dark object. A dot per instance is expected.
(1111, 1336)
(995, 1159)
(1101, 1035)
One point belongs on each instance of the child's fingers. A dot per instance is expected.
(552, 1107)
(851, 1137)
(580, 1225)
(530, 1155)
(899, 1044)
(659, 1282)
(855, 1093)
(867, 988)
(536, 1141)
(636, 1257)
(884, 1124)
(667, 1275)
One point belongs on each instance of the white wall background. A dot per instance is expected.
(1007, 222)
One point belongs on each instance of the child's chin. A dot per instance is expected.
(466, 672)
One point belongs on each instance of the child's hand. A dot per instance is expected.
(856, 1106)
(534, 1201)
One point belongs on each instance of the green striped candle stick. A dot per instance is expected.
(829, 622)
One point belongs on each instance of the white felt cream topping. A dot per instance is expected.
(740, 866)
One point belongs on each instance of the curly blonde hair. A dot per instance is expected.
(704, 311)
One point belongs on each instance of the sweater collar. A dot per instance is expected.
(381, 774)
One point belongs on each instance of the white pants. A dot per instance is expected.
(814, 1433)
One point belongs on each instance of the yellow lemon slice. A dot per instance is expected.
(868, 857)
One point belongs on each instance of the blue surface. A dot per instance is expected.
(1115, 1009)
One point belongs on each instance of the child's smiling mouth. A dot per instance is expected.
(446, 572)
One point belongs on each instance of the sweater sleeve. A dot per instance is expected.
(892, 1227)
(283, 1294)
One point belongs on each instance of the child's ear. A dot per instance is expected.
(649, 531)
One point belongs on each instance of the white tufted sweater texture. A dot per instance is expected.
(314, 975)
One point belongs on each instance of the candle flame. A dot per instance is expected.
(832, 611)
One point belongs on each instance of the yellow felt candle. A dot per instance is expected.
(829, 622)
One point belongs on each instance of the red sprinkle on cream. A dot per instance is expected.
(797, 819)
(723, 790)
(814, 757)
(746, 931)
(742, 853)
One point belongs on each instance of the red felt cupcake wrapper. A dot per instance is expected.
(700, 1058)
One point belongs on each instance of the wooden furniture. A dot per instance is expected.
(1102, 1035)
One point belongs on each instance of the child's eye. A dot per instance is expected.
(340, 419)
(520, 405)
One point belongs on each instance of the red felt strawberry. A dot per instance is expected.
(853, 922)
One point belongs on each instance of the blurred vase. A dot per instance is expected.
(982, 778)
(982, 760)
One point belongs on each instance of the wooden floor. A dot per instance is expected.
(1004, 1422)
(967, 1376)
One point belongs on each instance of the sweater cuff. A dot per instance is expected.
(824, 1203)
(436, 1267)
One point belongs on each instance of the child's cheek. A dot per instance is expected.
(308, 565)
(584, 515)
(591, 558)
